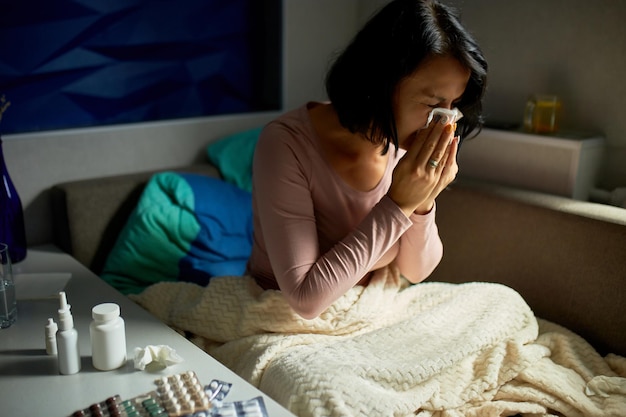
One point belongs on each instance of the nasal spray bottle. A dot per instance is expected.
(67, 339)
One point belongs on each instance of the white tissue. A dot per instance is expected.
(448, 115)
(151, 356)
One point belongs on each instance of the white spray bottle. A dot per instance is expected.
(67, 339)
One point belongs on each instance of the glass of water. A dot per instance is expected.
(8, 303)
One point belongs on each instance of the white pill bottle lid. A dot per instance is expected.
(105, 312)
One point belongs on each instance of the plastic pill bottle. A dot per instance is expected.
(108, 337)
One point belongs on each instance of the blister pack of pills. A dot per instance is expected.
(180, 395)
(254, 407)
(217, 391)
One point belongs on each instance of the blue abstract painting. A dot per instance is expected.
(79, 63)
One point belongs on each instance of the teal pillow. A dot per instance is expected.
(233, 156)
(185, 227)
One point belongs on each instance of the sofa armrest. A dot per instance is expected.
(89, 214)
(565, 258)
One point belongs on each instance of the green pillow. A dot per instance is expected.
(185, 227)
(233, 156)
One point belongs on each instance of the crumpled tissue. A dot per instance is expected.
(155, 357)
(447, 115)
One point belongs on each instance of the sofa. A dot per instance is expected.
(523, 316)
(566, 258)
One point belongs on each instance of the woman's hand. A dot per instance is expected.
(426, 169)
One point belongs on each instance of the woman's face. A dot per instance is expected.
(438, 82)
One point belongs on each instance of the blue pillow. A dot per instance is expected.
(186, 227)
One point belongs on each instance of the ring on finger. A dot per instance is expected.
(433, 164)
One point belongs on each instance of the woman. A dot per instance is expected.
(343, 188)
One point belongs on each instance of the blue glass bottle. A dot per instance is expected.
(12, 231)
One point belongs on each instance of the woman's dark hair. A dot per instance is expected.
(392, 44)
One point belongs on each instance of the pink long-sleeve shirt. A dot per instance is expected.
(315, 237)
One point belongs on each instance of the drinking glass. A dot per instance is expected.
(8, 303)
(542, 114)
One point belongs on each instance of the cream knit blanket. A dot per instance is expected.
(390, 349)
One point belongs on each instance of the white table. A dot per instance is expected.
(29, 380)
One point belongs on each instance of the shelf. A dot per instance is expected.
(565, 165)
